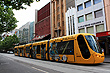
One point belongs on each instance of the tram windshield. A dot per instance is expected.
(94, 45)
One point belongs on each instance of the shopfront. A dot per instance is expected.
(104, 40)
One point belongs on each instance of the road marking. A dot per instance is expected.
(40, 70)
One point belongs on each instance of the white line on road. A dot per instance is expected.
(40, 70)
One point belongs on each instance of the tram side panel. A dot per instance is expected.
(62, 50)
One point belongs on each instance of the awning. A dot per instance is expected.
(40, 37)
(101, 34)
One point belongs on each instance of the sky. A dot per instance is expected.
(28, 15)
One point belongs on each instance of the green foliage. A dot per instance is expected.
(7, 19)
(9, 42)
(16, 4)
(0, 38)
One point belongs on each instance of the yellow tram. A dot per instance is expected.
(80, 48)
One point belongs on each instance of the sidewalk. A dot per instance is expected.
(107, 59)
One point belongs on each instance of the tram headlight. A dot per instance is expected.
(102, 50)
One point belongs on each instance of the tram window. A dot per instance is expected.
(15, 50)
(34, 49)
(20, 51)
(66, 47)
(70, 48)
(38, 49)
(27, 49)
(83, 47)
(94, 45)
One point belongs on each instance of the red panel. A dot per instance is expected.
(43, 27)
(44, 12)
(107, 33)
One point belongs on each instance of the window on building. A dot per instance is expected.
(58, 33)
(98, 13)
(68, 27)
(57, 1)
(54, 25)
(58, 24)
(63, 33)
(58, 16)
(82, 30)
(62, 15)
(54, 11)
(88, 4)
(96, 1)
(73, 24)
(89, 16)
(62, 7)
(62, 23)
(80, 7)
(100, 28)
(58, 9)
(80, 19)
(90, 30)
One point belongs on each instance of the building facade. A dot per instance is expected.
(104, 37)
(107, 13)
(90, 16)
(71, 21)
(58, 10)
(86, 16)
(42, 25)
(31, 31)
(24, 33)
(58, 17)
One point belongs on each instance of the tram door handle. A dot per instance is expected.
(78, 55)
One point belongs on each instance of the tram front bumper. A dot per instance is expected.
(99, 58)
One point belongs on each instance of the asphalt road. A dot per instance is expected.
(9, 65)
(15, 64)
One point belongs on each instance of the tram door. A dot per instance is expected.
(43, 51)
(34, 51)
(83, 47)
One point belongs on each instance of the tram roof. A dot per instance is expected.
(28, 44)
(45, 41)
(16, 46)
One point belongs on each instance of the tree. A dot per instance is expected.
(16, 4)
(7, 19)
(9, 42)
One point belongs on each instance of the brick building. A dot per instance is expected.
(42, 25)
